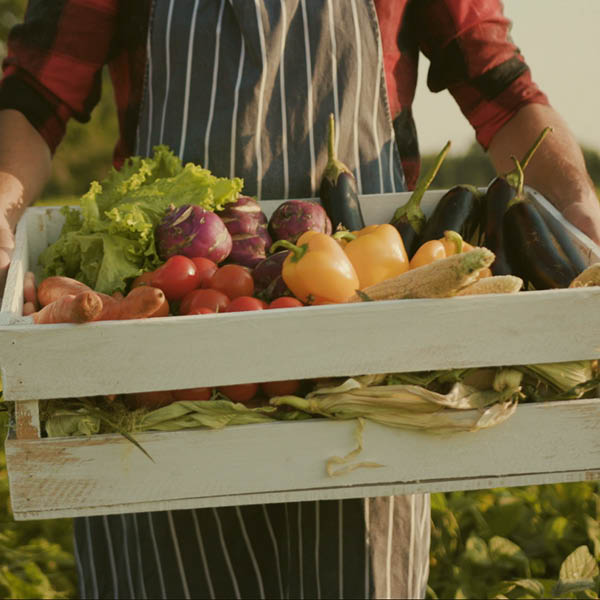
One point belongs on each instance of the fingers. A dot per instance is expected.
(29, 291)
(586, 218)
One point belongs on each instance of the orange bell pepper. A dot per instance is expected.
(377, 253)
(317, 270)
(451, 243)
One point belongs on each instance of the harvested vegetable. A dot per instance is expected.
(439, 279)
(317, 268)
(588, 277)
(294, 217)
(496, 284)
(111, 240)
(411, 406)
(81, 308)
(541, 255)
(192, 231)
(409, 218)
(141, 303)
(499, 193)
(376, 252)
(338, 191)
(53, 288)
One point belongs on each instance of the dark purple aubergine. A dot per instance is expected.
(268, 283)
(500, 192)
(458, 210)
(292, 218)
(338, 190)
(534, 253)
(409, 219)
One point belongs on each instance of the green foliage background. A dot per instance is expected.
(502, 543)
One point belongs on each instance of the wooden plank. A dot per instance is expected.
(351, 339)
(540, 443)
(27, 420)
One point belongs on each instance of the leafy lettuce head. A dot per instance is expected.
(111, 239)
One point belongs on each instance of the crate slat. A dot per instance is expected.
(540, 443)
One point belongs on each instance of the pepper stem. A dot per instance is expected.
(344, 235)
(411, 211)
(512, 177)
(297, 251)
(456, 239)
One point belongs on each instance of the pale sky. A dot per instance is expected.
(560, 40)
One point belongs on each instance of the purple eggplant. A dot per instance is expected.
(292, 218)
(268, 282)
(193, 231)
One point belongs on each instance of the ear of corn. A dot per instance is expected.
(498, 284)
(439, 279)
(588, 277)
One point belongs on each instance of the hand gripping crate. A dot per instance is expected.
(284, 461)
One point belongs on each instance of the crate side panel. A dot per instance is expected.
(351, 339)
(224, 466)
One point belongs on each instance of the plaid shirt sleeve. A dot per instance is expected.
(52, 71)
(472, 55)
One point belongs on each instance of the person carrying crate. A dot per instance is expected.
(245, 88)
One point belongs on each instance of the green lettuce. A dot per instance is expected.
(110, 240)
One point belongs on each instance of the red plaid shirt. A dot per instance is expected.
(52, 71)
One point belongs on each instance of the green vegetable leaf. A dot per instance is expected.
(111, 240)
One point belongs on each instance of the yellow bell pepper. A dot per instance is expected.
(452, 243)
(377, 253)
(317, 270)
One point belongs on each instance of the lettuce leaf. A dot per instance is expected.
(110, 240)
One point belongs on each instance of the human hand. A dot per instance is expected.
(585, 215)
(7, 245)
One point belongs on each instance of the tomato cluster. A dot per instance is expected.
(199, 286)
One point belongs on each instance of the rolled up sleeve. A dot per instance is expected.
(473, 56)
(52, 71)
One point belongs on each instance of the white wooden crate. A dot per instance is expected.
(285, 461)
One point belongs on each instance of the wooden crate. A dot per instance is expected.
(285, 461)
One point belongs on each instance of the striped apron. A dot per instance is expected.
(245, 88)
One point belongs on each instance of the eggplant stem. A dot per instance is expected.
(411, 211)
(512, 177)
(518, 197)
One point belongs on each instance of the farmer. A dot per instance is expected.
(245, 88)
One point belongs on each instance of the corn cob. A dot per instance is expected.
(439, 279)
(499, 284)
(588, 277)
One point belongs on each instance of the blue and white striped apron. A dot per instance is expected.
(245, 88)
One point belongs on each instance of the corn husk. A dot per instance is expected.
(570, 379)
(463, 408)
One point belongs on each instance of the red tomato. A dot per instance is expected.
(206, 269)
(285, 302)
(200, 393)
(286, 387)
(201, 310)
(242, 392)
(143, 279)
(232, 280)
(245, 303)
(203, 298)
(176, 277)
